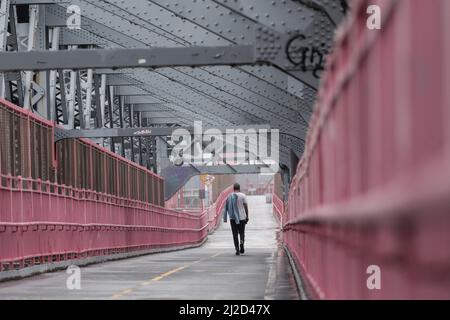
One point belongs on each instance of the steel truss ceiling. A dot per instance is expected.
(281, 96)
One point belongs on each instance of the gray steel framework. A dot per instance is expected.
(74, 78)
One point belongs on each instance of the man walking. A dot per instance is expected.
(236, 207)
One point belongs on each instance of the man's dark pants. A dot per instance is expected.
(238, 229)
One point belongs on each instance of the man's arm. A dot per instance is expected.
(246, 208)
(225, 211)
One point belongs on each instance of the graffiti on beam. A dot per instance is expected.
(306, 57)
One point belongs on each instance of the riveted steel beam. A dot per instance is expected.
(270, 45)
(148, 99)
(61, 134)
(214, 94)
(126, 58)
(181, 98)
(162, 94)
(150, 107)
(139, 28)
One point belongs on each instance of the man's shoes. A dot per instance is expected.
(237, 253)
(242, 248)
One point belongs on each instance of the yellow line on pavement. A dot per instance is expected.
(122, 293)
(127, 291)
(158, 278)
(169, 273)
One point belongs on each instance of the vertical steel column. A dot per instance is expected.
(86, 112)
(4, 16)
(40, 88)
(15, 77)
(121, 107)
(52, 88)
(98, 115)
(30, 44)
(139, 123)
(71, 99)
(110, 97)
(102, 100)
(130, 117)
(63, 100)
(79, 99)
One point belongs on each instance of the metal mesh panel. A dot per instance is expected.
(34, 147)
(26, 149)
(5, 143)
(26, 145)
(161, 192)
(150, 191)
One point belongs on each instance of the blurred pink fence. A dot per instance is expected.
(76, 199)
(373, 187)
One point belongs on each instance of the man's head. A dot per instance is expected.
(237, 187)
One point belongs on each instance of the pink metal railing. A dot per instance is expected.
(278, 208)
(373, 187)
(38, 226)
(43, 220)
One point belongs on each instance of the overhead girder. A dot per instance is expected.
(234, 94)
(241, 121)
(291, 142)
(210, 38)
(125, 41)
(215, 95)
(176, 177)
(118, 80)
(196, 101)
(78, 37)
(159, 114)
(61, 134)
(127, 58)
(236, 27)
(282, 16)
(287, 143)
(170, 117)
(264, 86)
(137, 100)
(145, 81)
(288, 140)
(166, 116)
(141, 97)
(229, 110)
(224, 26)
(90, 12)
(150, 107)
(163, 120)
(158, 90)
